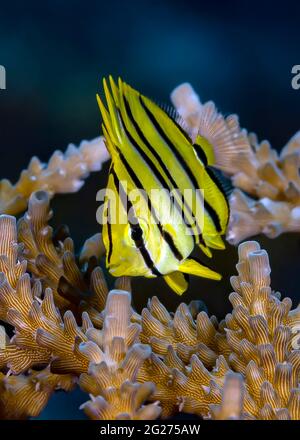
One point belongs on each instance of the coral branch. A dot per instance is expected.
(265, 216)
(67, 325)
(232, 402)
(257, 339)
(64, 173)
(271, 179)
(50, 258)
(26, 396)
(116, 356)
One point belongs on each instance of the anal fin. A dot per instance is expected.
(177, 281)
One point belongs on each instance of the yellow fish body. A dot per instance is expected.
(151, 152)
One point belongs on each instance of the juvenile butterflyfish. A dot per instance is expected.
(163, 197)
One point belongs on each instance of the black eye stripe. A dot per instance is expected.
(137, 234)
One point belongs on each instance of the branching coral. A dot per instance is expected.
(116, 355)
(50, 259)
(232, 401)
(63, 174)
(25, 396)
(43, 336)
(271, 179)
(23, 308)
(259, 333)
(255, 340)
(132, 366)
(181, 331)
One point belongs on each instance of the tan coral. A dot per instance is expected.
(50, 258)
(191, 388)
(231, 145)
(187, 336)
(116, 356)
(259, 333)
(258, 340)
(22, 307)
(137, 367)
(232, 401)
(271, 180)
(275, 181)
(26, 396)
(124, 403)
(270, 174)
(265, 216)
(64, 173)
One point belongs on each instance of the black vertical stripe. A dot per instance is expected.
(136, 230)
(175, 116)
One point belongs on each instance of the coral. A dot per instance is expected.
(232, 400)
(274, 180)
(64, 173)
(232, 149)
(50, 258)
(23, 308)
(269, 174)
(256, 340)
(116, 356)
(259, 333)
(137, 366)
(26, 396)
(181, 331)
(270, 180)
(265, 216)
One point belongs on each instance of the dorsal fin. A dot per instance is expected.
(176, 118)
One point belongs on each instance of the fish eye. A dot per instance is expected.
(136, 233)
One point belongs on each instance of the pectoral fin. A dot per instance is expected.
(193, 267)
(177, 281)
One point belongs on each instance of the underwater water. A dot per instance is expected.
(237, 53)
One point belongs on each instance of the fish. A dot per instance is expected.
(150, 228)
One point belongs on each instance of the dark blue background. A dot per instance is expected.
(238, 53)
